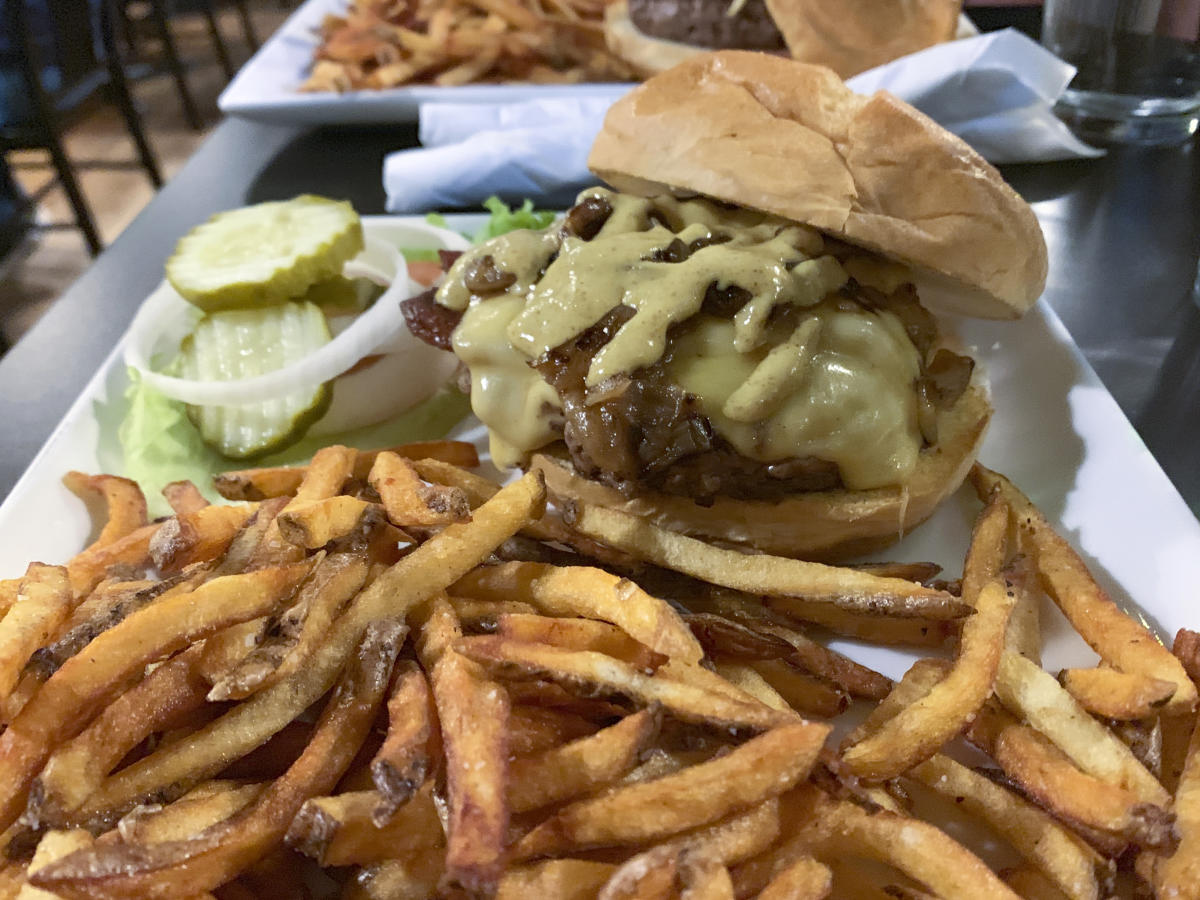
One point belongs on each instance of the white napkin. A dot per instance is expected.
(995, 91)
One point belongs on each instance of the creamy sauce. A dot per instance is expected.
(835, 383)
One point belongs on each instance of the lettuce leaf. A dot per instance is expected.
(502, 220)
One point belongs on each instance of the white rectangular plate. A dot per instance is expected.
(1056, 431)
(267, 87)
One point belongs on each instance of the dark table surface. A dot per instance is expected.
(1123, 232)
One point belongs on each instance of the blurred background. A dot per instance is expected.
(175, 108)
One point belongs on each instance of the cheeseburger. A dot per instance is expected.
(734, 338)
(848, 36)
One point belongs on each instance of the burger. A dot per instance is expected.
(735, 338)
(848, 36)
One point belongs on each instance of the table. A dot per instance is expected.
(1123, 232)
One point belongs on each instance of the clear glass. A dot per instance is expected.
(1139, 67)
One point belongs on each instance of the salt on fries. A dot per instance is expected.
(387, 43)
(360, 666)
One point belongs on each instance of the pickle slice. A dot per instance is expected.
(264, 254)
(243, 343)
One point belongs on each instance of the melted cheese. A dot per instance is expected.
(835, 383)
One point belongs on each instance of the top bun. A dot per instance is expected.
(791, 139)
(851, 36)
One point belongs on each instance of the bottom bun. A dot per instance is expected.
(823, 525)
(648, 55)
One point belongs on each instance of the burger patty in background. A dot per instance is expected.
(715, 24)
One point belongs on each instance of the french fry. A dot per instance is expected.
(43, 602)
(727, 842)
(1178, 875)
(339, 830)
(1120, 640)
(574, 669)
(533, 729)
(315, 523)
(869, 627)
(1035, 695)
(184, 497)
(410, 878)
(1048, 777)
(567, 879)
(79, 766)
(580, 767)
(747, 679)
(404, 760)
(704, 879)
(202, 807)
(88, 679)
(922, 676)
(1024, 636)
(197, 536)
(920, 730)
(1116, 695)
(804, 879)
(726, 637)
(855, 679)
(758, 770)
(589, 593)
(473, 712)
(53, 846)
(772, 576)
(1031, 884)
(88, 568)
(125, 504)
(1060, 856)
(334, 582)
(916, 848)
(216, 855)
(579, 634)
(807, 694)
(410, 501)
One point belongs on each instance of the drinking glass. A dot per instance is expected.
(1138, 63)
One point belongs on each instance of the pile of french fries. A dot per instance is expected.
(382, 675)
(379, 44)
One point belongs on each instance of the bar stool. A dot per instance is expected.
(56, 89)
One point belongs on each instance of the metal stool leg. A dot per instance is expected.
(214, 31)
(120, 89)
(190, 112)
(66, 177)
(247, 25)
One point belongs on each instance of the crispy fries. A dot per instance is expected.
(762, 768)
(920, 730)
(284, 481)
(43, 601)
(554, 729)
(848, 589)
(406, 756)
(473, 712)
(372, 46)
(588, 593)
(1119, 639)
(582, 766)
(410, 501)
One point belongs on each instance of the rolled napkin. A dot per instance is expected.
(995, 91)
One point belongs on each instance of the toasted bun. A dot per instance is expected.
(648, 55)
(826, 525)
(851, 36)
(791, 139)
